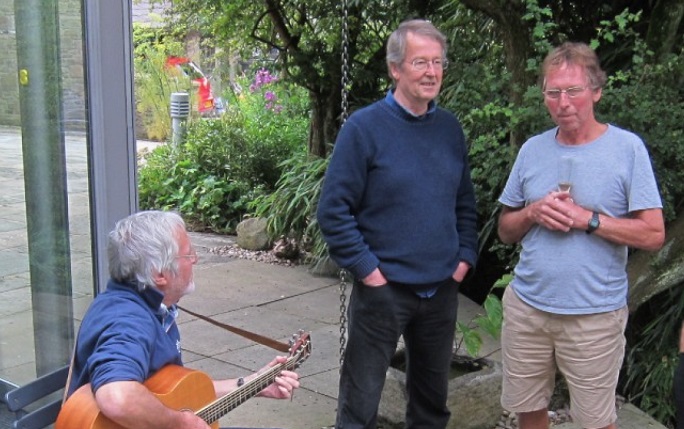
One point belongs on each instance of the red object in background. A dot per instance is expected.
(205, 97)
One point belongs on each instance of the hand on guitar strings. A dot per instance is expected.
(284, 384)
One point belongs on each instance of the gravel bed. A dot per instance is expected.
(265, 256)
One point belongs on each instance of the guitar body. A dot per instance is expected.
(180, 388)
(175, 386)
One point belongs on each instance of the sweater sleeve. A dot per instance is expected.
(466, 217)
(341, 195)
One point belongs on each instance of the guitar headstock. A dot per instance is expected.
(300, 347)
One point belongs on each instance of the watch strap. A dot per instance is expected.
(594, 222)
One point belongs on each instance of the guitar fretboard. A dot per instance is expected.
(225, 404)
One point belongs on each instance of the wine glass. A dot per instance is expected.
(565, 167)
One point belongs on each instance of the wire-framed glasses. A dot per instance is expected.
(192, 256)
(555, 94)
(421, 64)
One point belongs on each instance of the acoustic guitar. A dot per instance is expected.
(181, 388)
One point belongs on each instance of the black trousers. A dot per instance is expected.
(678, 389)
(378, 316)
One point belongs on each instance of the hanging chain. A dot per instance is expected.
(345, 107)
(344, 282)
(345, 61)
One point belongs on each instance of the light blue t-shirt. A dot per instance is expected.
(575, 272)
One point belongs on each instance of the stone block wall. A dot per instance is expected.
(9, 86)
(73, 75)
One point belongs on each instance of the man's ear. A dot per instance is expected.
(394, 71)
(160, 279)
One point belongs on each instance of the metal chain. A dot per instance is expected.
(345, 61)
(344, 282)
(345, 108)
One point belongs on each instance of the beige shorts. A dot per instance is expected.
(587, 349)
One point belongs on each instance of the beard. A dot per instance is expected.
(189, 288)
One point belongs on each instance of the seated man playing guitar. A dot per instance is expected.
(129, 334)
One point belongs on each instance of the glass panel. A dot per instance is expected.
(45, 240)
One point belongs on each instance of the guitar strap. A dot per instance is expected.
(268, 342)
(71, 368)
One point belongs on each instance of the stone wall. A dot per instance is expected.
(71, 49)
(9, 87)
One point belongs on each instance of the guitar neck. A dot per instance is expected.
(230, 401)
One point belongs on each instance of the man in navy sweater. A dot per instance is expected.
(397, 210)
(130, 332)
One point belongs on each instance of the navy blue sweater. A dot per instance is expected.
(122, 338)
(397, 195)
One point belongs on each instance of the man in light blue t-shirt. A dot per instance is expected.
(578, 196)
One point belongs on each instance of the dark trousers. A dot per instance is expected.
(678, 389)
(378, 316)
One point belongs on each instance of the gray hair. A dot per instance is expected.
(144, 244)
(396, 44)
(577, 54)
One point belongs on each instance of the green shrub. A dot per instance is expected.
(653, 354)
(273, 110)
(213, 176)
(153, 84)
(290, 210)
(228, 162)
(647, 99)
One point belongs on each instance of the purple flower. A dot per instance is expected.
(261, 78)
(269, 95)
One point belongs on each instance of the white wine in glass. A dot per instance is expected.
(565, 164)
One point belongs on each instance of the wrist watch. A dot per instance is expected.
(594, 223)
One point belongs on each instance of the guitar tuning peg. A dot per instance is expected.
(295, 337)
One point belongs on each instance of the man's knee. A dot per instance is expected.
(538, 419)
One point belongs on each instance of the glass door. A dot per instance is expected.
(67, 170)
(44, 218)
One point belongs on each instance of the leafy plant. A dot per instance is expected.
(653, 354)
(635, 100)
(153, 84)
(212, 177)
(291, 209)
(227, 163)
(274, 118)
(489, 323)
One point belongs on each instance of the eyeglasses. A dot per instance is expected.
(422, 64)
(555, 94)
(192, 256)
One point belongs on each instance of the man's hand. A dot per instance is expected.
(375, 278)
(284, 384)
(554, 212)
(461, 271)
